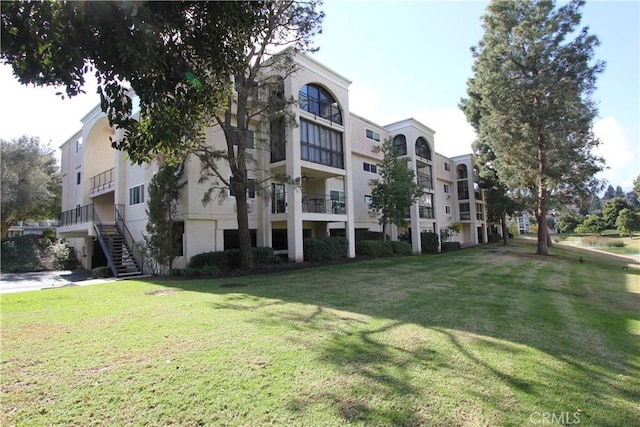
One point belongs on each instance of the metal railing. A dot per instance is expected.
(128, 238)
(79, 215)
(102, 181)
(323, 203)
(426, 212)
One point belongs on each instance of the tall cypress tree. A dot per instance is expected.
(532, 91)
(162, 205)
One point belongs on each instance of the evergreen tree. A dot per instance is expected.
(394, 194)
(609, 194)
(532, 87)
(612, 209)
(636, 186)
(619, 192)
(162, 205)
(568, 222)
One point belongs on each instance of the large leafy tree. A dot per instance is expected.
(393, 195)
(627, 222)
(534, 77)
(31, 182)
(190, 64)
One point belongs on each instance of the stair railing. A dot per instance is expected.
(128, 238)
(105, 248)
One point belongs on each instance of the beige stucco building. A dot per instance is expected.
(334, 153)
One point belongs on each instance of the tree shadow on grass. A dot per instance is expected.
(481, 323)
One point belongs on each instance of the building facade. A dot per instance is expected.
(333, 153)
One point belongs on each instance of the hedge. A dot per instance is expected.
(450, 246)
(401, 248)
(20, 255)
(325, 248)
(429, 242)
(100, 272)
(230, 259)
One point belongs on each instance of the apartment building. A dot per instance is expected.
(334, 153)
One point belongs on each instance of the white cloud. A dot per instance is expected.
(621, 152)
(454, 135)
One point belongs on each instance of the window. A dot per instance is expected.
(78, 145)
(422, 148)
(426, 210)
(136, 195)
(368, 200)
(278, 201)
(78, 178)
(248, 138)
(400, 142)
(177, 233)
(447, 166)
(462, 172)
(447, 209)
(251, 188)
(373, 135)
(465, 212)
(319, 102)
(337, 201)
(479, 212)
(370, 167)
(277, 139)
(425, 177)
(463, 190)
(446, 188)
(321, 145)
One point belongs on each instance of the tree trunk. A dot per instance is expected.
(244, 236)
(541, 208)
(505, 230)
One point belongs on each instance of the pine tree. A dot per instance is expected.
(531, 90)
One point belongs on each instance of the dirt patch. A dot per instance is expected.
(162, 292)
(233, 285)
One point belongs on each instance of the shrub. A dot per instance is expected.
(49, 235)
(207, 259)
(494, 237)
(20, 255)
(374, 248)
(450, 246)
(367, 235)
(194, 272)
(230, 259)
(101, 272)
(325, 248)
(429, 241)
(401, 248)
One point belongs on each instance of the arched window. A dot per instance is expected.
(461, 172)
(400, 142)
(422, 148)
(318, 101)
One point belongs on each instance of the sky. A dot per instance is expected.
(406, 59)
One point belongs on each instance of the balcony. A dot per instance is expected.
(425, 182)
(79, 215)
(323, 204)
(426, 212)
(102, 182)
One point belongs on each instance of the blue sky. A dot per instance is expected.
(407, 59)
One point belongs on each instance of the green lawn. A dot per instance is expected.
(609, 241)
(470, 338)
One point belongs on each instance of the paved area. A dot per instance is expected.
(21, 282)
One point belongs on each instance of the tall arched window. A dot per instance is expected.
(422, 148)
(400, 142)
(318, 101)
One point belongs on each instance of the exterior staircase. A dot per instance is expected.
(120, 255)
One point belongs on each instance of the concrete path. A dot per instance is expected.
(21, 282)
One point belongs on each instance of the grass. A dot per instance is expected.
(609, 241)
(476, 337)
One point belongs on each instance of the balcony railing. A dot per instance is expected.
(323, 203)
(79, 215)
(319, 108)
(465, 216)
(425, 182)
(102, 181)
